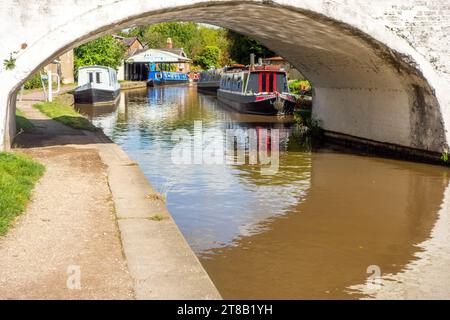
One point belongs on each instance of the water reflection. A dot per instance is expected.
(358, 212)
(310, 231)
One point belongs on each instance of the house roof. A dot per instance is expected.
(277, 58)
(127, 41)
(157, 56)
(177, 51)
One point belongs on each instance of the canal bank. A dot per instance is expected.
(157, 263)
(129, 85)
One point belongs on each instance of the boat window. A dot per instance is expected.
(272, 77)
(264, 83)
(282, 83)
(97, 77)
(252, 84)
(91, 77)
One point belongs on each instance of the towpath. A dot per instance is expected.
(94, 229)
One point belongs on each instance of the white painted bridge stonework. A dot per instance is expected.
(381, 70)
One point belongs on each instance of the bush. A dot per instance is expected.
(300, 86)
(33, 82)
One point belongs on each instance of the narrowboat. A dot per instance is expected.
(209, 81)
(158, 77)
(257, 90)
(97, 85)
(194, 76)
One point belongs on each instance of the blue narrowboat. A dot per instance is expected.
(158, 77)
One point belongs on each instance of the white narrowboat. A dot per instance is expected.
(97, 85)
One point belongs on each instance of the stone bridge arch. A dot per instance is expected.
(370, 83)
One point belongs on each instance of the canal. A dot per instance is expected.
(325, 226)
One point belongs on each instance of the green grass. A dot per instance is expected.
(18, 175)
(157, 217)
(22, 123)
(59, 110)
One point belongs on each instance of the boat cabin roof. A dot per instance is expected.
(98, 76)
(267, 68)
(109, 69)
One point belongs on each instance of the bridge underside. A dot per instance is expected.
(362, 88)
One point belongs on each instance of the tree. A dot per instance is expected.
(208, 57)
(104, 51)
(183, 34)
(192, 37)
(240, 48)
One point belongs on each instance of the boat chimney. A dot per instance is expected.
(260, 61)
(252, 60)
(169, 43)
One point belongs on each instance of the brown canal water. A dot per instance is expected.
(328, 225)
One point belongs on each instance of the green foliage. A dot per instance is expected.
(64, 113)
(299, 86)
(157, 217)
(183, 35)
(315, 127)
(104, 51)
(192, 37)
(306, 123)
(18, 175)
(242, 46)
(33, 82)
(444, 157)
(298, 117)
(10, 63)
(208, 57)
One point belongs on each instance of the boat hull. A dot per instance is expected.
(96, 96)
(208, 88)
(250, 104)
(153, 83)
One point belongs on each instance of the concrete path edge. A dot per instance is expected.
(160, 261)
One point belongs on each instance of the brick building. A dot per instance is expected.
(63, 66)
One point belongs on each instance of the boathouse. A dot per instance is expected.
(136, 67)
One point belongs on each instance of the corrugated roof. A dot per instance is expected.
(177, 51)
(157, 56)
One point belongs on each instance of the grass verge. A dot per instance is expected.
(18, 175)
(22, 123)
(60, 110)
